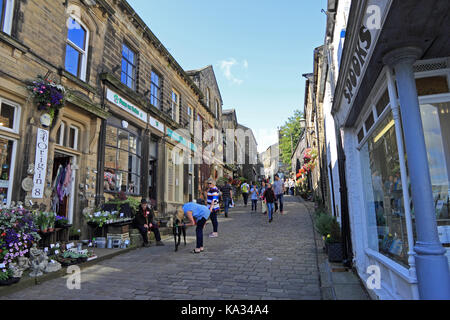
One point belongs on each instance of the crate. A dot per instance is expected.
(118, 229)
(123, 236)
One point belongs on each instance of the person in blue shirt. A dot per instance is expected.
(254, 196)
(197, 214)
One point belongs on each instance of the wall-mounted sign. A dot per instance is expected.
(125, 105)
(40, 164)
(175, 136)
(156, 124)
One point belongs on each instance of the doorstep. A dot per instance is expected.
(26, 281)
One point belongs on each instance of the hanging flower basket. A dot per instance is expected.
(48, 96)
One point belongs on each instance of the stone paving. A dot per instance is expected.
(251, 259)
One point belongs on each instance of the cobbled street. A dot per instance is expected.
(251, 259)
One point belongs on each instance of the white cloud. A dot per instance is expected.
(226, 65)
(265, 138)
(245, 63)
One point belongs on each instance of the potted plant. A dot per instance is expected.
(334, 243)
(51, 218)
(61, 222)
(323, 225)
(74, 234)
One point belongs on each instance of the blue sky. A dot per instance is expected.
(259, 50)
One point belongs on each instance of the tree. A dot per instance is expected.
(290, 134)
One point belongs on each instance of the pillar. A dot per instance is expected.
(431, 264)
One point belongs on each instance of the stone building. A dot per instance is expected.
(128, 118)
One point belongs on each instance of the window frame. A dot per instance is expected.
(175, 105)
(82, 68)
(208, 97)
(153, 85)
(60, 139)
(190, 113)
(6, 18)
(17, 114)
(76, 137)
(134, 67)
(11, 168)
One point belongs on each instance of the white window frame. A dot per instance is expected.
(75, 140)
(17, 113)
(190, 112)
(9, 13)
(208, 98)
(60, 139)
(84, 53)
(11, 168)
(175, 105)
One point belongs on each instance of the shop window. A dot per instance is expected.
(384, 193)
(6, 154)
(76, 49)
(155, 90)
(174, 175)
(436, 126)
(8, 115)
(128, 76)
(432, 85)
(6, 7)
(122, 161)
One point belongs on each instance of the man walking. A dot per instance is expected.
(227, 196)
(213, 201)
(278, 189)
(245, 188)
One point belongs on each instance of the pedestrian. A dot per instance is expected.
(269, 198)
(197, 214)
(245, 189)
(278, 189)
(213, 202)
(144, 221)
(261, 193)
(291, 186)
(286, 186)
(254, 196)
(227, 196)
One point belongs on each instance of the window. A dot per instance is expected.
(128, 76)
(174, 175)
(383, 188)
(122, 161)
(6, 155)
(217, 109)
(190, 114)
(6, 7)
(155, 91)
(9, 115)
(73, 138)
(208, 96)
(432, 85)
(60, 134)
(76, 49)
(175, 106)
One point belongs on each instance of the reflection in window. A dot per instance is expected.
(76, 48)
(128, 76)
(384, 193)
(436, 127)
(7, 113)
(122, 161)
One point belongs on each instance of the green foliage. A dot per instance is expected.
(323, 224)
(5, 275)
(134, 203)
(290, 134)
(335, 232)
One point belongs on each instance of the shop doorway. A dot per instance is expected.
(63, 185)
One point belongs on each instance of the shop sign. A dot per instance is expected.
(156, 124)
(175, 136)
(40, 164)
(125, 105)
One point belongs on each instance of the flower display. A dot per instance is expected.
(104, 217)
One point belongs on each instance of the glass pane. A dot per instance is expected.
(432, 85)
(369, 122)
(72, 137)
(125, 51)
(134, 164)
(111, 136)
(134, 184)
(122, 160)
(77, 34)
(123, 142)
(121, 180)
(124, 66)
(72, 60)
(110, 157)
(384, 193)
(436, 126)
(109, 181)
(382, 103)
(6, 147)
(123, 78)
(7, 116)
(133, 144)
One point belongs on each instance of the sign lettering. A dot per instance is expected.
(40, 164)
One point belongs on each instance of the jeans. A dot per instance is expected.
(199, 232)
(245, 195)
(270, 209)
(227, 202)
(144, 231)
(254, 204)
(213, 218)
(279, 199)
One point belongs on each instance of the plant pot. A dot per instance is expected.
(51, 229)
(9, 281)
(335, 252)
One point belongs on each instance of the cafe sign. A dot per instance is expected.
(40, 164)
(126, 105)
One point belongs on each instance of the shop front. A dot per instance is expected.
(394, 115)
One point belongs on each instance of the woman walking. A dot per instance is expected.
(261, 193)
(269, 199)
(254, 194)
(197, 214)
(213, 205)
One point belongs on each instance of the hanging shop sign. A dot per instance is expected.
(175, 136)
(125, 105)
(40, 164)
(156, 124)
